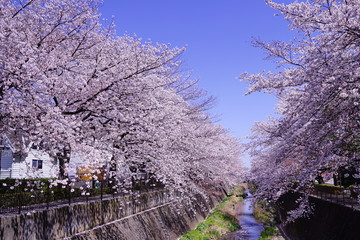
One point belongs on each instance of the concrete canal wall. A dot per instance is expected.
(147, 216)
(330, 221)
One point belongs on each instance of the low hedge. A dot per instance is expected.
(26, 192)
(328, 189)
(21, 185)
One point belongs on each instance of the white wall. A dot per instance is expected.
(23, 168)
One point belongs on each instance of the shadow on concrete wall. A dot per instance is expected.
(330, 221)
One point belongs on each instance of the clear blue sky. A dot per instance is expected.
(218, 36)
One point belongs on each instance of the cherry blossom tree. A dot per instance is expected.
(69, 84)
(318, 91)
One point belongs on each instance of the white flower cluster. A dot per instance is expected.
(318, 89)
(67, 82)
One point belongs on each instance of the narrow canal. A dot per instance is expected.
(250, 229)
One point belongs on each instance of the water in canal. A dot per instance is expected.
(250, 229)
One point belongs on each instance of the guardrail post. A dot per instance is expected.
(337, 199)
(19, 202)
(69, 193)
(47, 195)
(101, 190)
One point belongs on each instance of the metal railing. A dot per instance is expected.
(347, 196)
(19, 201)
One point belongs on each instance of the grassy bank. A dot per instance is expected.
(222, 220)
(266, 216)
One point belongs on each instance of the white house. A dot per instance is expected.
(32, 163)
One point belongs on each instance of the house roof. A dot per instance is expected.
(5, 142)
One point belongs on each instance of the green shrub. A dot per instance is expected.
(219, 222)
(269, 232)
(266, 215)
(22, 184)
(35, 191)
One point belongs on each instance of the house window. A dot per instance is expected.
(37, 164)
